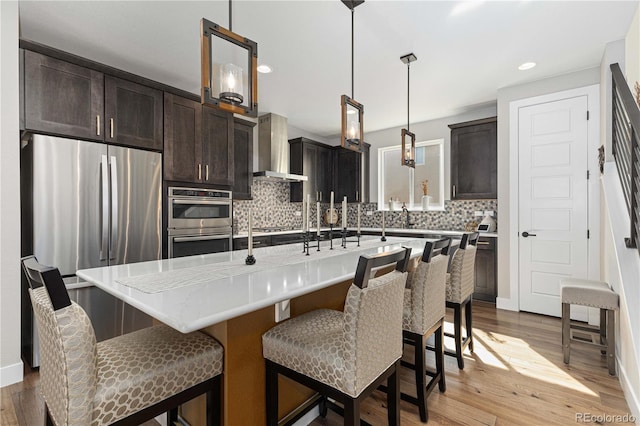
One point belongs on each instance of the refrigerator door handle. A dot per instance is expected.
(104, 241)
(114, 206)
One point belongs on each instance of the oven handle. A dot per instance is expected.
(200, 238)
(213, 203)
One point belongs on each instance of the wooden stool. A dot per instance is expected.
(595, 294)
(345, 355)
(423, 316)
(125, 380)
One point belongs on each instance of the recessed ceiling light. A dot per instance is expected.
(527, 66)
(264, 69)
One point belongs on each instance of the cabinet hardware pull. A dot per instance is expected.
(98, 125)
(111, 126)
(199, 171)
(257, 243)
(206, 172)
(321, 196)
(357, 196)
(454, 191)
(482, 243)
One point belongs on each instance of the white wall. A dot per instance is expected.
(632, 52)
(10, 363)
(424, 131)
(505, 97)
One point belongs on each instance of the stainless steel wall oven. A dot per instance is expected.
(200, 221)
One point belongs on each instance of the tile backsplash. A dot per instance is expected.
(271, 207)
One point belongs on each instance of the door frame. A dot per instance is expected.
(593, 189)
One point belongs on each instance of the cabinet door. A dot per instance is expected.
(217, 147)
(485, 285)
(346, 173)
(324, 173)
(474, 161)
(309, 164)
(134, 114)
(243, 157)
(182, 139)
(62, 98)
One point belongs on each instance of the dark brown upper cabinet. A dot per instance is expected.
(243, 156)
(182, 139)
(133, 113)
(351, 174)
(73, 101)
(198, 143)
(217, 147)
(315, 161)
(63, 98)
(474, 159)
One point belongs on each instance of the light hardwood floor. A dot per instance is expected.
(515, 376)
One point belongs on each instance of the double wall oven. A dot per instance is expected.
(199, 221)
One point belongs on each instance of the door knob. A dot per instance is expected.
(526, 234)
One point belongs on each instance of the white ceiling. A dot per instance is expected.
(466, 50)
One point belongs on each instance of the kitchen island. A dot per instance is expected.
(233, 302)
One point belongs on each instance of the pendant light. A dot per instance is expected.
(352, 132)
(229, 63)
(408, 138)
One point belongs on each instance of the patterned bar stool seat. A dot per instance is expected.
(423, 316)
(125, 380)
(345, 355)
(595, 294)
(460, 283)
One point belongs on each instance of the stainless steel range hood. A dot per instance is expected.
(273, 150)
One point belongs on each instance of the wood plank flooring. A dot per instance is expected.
(515, 376)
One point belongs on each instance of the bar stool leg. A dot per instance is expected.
(611, 341)
(457, 325)
(439, 334)
(352, 412)
(272, 394)
(468, 322)
(603, 329)
(566, 332)
(393, 395)
(420, 370)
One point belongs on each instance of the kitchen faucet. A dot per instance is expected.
(407, 224)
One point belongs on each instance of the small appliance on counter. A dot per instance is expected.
(488, 224)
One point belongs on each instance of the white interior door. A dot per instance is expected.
(553, 202)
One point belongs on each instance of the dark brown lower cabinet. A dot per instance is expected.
(485, 287)
(243, 243)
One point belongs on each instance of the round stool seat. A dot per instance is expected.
(595, 294)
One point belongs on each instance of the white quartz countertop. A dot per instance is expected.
(222, 296)
(377, 230)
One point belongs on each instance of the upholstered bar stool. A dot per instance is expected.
(595, 294)
(460, 283)
(345, 355)
(423, 316)
(125, 380)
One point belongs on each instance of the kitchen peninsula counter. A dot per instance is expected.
(220, 295)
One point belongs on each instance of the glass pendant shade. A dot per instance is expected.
(408, 148)
(352, 124)
(229, 70)
(231, 83)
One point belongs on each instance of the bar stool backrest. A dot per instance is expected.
(463, 269)
(68, 369)
(373, 319)
(427, 283)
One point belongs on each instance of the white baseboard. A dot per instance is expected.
(308, 417)
(507, 304)
(11, 374)
(629, 392)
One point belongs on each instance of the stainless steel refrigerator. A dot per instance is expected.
(84, 205)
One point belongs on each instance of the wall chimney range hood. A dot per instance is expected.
(273, 150)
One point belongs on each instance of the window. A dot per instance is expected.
(404, 184)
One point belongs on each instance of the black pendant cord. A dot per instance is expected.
(352, 66)
(230, 17)
(408, 92)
